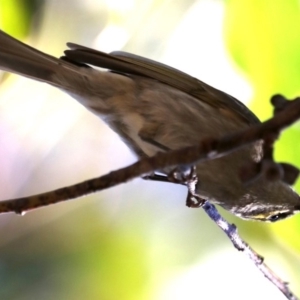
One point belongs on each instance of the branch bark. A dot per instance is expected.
(206, 150)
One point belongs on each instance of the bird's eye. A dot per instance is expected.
(279, 216)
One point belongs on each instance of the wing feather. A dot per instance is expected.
(123, 62)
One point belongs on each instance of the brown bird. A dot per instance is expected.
(154, 107)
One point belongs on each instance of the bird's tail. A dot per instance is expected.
(16, 57)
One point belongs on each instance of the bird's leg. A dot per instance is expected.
(181, 175)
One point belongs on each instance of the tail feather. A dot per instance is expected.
(16, 57)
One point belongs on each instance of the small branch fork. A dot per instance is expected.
(286, 113)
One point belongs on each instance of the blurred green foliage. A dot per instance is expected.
(16, 15)
(263, 38)
(68, 259)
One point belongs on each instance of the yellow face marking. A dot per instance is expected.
(267, 217)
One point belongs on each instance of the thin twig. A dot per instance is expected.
(232, 233)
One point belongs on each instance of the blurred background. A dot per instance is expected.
(138, 241)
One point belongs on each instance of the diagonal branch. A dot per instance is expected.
(206, 150)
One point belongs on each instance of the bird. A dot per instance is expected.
(157, 108)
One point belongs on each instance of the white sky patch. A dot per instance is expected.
(106, 43)
(224, 275)
(120, 5)
(197, 48)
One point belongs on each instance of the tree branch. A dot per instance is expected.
(206, 150)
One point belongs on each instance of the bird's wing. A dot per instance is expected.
(128, 63)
